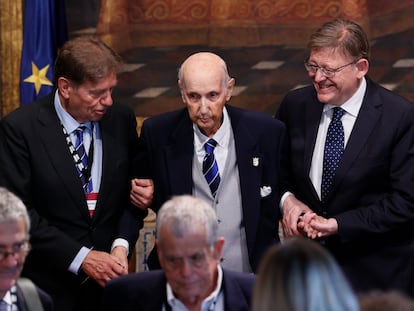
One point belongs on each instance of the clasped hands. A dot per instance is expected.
(300, 220)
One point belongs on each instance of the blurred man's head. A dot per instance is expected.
(14, 239)
(189, 249)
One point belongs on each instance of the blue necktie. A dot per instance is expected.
(334, 148)
(82, 163)
(210, 167)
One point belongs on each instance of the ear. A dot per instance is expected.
(64, 86)
(362, 66)
(218, 248)
(181, 86)
(230, 87)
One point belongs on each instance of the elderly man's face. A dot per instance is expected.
(88, 101)
(205, 90)
(13, 250)
(190, 265)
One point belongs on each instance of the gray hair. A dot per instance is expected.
(300, 275)
(12, 208)
(186, 214)
(343, 35)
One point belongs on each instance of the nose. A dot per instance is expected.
(106, 99)
(318, 76)
(185, 268)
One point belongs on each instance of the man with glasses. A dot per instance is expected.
(189, 251)
(14, 247)
(351, 162)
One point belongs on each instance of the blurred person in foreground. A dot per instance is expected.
(300, 275)
(351, 145)
(14, 247)
(227, 156)
(189, 251)
(69, 157)
(385, 301)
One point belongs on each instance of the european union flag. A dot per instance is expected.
(44, 31)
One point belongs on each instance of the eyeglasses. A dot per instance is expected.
(327, 72)
(19, 250)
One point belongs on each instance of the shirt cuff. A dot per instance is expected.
(120, 242)
(77, 262)
(282, 200)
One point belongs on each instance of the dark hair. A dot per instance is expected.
(344, 35)
(84, 59)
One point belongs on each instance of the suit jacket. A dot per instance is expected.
(167, 157)
(372, 197)
(146, 291)
(45, 299)
(35, 164)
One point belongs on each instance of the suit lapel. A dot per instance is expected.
(179, 157)
(108, 160)
(234, 298)
(53, 141)
(250, 174)
(313, 113)
(365, 123)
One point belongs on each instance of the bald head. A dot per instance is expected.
(204, 62)
(205, 88)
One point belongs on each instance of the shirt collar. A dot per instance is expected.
(172, 300)
(69, 123)
(353, 104)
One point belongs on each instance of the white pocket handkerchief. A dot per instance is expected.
(265, 191)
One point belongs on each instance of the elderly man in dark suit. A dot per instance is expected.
(228, 156)
(189, 250)
(352, 162)
(14, 247)
(68, 156)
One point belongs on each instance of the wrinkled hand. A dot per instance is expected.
(142, 191)
(292, 209)
(102, 267)
(316, 226)
(120, 252)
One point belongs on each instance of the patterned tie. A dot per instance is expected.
(334, 148)
(82, 162)
(210, 167)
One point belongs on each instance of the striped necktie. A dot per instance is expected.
(334, 148)
(210, 167)
(82, 162)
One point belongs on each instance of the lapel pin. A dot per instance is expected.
(255, 161)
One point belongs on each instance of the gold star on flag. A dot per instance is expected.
(38, 77)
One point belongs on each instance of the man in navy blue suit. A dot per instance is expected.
(365, 214)
(248, 154)
(189, 250)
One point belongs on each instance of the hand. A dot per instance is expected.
(324, 227)
(102, 267)
(120, 252)
(142, 191)
(292, 209)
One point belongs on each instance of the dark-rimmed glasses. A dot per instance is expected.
(327, 72)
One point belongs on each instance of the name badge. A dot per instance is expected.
(91, 199)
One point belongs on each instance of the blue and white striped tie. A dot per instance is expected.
(210, 167)
(82, 165)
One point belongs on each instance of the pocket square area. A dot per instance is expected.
(265, 191)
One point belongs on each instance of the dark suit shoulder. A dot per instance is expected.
(254, 120)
